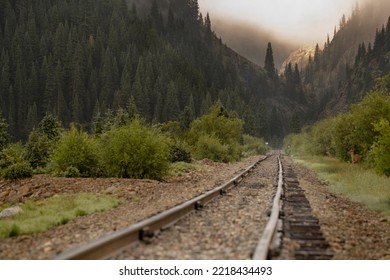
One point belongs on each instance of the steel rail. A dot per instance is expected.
(264, 244)
(107, 246)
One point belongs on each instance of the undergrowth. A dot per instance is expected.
(39, 216)
(360, 184)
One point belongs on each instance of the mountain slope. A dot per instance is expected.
(81, 59)
(329, 72)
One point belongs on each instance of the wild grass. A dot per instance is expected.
(359, 184)
(178, 168)
(39, 216)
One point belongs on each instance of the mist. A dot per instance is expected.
(247, 25)
(251, 41)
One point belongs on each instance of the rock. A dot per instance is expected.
(47, 194)
(13, 197)
(25, 191)
(10, 212)
(111, 190)
(4, 194)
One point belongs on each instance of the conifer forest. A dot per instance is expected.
(90, 72)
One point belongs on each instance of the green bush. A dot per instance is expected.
(381, 150)
(218, 131)
(210, 147)
(41, 141)
(17, 171)
(253, 145)
(76, 154)
(39, 149)
(296, 144)
(178, 152)
(13, 162)
(135, 151)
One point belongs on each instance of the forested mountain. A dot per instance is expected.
(346, 68)
(80, 60)
(86, 61)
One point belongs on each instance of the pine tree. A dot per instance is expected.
(171, 108)
(387, 36)
(32, 118)
(4, 134)
(269, 63)
(317, 54)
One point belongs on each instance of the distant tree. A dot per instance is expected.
(207, 23)
(317, 54)
(4, 136)
(269, 63)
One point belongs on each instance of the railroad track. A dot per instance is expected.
(293, 231)
(300, 226)
(143, 231)
(228, 226)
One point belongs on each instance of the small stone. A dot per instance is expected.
(111, 190)
(10, 212)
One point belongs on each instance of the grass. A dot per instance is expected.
(39, 216)
(354, 181)
(178, 168)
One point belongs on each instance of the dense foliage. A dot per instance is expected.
(216, 135)
(13, 163)
(75, 155)
(135, 151)
(364, 129)
(78, 60)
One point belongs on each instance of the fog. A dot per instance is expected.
(247, 25)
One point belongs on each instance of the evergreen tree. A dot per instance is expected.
(171, 109)
(4, 135)
(269, 63)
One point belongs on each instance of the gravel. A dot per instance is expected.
(353, 231)
(227, 228)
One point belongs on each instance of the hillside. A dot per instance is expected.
(334, 77)
(162, 60)
(83, 60)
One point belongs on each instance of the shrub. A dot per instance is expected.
(135, 151)
(381, 151)
(39, 149)
(13, 162)
(222, 124)
(179, 152)
(41, 141)
(17, 171)
(217, 132)
(253, 145)
(210, 147)
(75, 154)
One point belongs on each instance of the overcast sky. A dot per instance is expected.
(300, 21)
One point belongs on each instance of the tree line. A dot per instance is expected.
(79, 60)
(126, 146)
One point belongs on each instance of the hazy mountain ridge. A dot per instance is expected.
(300, 57)
(326, 78)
